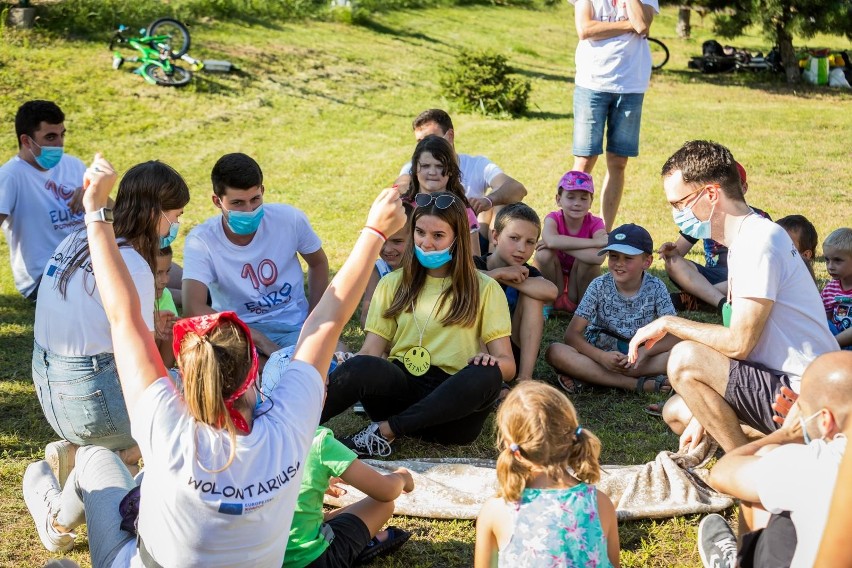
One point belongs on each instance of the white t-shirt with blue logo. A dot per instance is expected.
(261, 281)
(36, 203)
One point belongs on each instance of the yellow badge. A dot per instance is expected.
(417, 361)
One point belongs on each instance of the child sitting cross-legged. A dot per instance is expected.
(353, 534)
(545, 514)
(514, 237)
(837, 294)
(567, 253)
(613, 308)
(389, 260)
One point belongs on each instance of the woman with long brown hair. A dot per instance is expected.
(431, 317)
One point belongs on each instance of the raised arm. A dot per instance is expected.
(589, 28)
(322, 328)
(136, 356)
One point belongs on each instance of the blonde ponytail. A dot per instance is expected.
(213, 367)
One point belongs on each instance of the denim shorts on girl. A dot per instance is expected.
(620, 112)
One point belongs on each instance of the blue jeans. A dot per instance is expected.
(81, 398)
(620, 112)
(281, 334)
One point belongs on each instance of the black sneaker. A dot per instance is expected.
(717, 544)
(369, 442)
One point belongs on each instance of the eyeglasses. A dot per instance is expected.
(681, 204)
(441, 201)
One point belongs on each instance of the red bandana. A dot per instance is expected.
(202, 325)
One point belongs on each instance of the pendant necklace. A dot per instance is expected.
(418, 360)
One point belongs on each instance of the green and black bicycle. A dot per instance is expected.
(159, 46)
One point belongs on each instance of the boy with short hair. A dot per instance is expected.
(166, 311)
(837, 294)
(613, 308)
(514, 236)
(246, 258)
(567, 254)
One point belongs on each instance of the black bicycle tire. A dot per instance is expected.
(184, 76)
(665, 51)
(115, 40)
(152, 30)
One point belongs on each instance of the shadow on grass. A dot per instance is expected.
(24, 431)
(413, 38)
(546, 115)
(533, 74)
(765, 81)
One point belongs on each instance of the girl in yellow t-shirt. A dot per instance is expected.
(431, 317)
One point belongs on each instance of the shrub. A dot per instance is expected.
(479, 81)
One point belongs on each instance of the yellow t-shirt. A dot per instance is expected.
(449, 347)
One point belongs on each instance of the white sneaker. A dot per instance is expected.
(60, 457)
(41, 494)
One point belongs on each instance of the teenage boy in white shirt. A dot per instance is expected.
(246, 259)
(40, 193)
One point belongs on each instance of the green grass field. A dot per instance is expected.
(326, 110)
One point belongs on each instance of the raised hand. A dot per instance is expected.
(386, 214)
(98, 182)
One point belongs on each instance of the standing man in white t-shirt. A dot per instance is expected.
(246, 260)
(478, 173)
(727, 377)
(613, 64)
(40, 193)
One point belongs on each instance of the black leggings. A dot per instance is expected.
(449, 409)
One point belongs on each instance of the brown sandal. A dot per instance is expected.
(569, 385)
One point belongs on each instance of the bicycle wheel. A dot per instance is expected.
(177, 78)
(659, 53)
(178, 42)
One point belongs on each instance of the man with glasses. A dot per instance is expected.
(782, 476)
(727, 376)
(40, 193)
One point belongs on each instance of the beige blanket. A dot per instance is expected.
(455, 488)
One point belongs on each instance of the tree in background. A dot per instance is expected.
(779, 20)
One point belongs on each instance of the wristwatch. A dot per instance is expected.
(102, 215)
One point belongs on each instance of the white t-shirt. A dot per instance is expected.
(262, 281)
(36, 203)
(620, 64)
(77, 324)
(801, 479)
(763, 263)
(477, 173)
(240, 516)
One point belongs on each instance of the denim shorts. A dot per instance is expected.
(81, 398)
(281, 334)
(622, 114)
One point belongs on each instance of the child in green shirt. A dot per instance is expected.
(353, 533)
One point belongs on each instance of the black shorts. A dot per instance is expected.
(751, 390)
(713, 274)
(773, 546)
(351, 537)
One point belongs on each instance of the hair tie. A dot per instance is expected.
(578, 431)
(515, 449)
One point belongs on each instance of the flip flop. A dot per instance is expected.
(569, 385)
(655, 409)
(375, 548)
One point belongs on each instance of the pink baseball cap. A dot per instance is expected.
(576, 181)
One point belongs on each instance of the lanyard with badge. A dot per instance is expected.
(418, 360)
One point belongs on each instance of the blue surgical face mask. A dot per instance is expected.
(173, 233)
(804, 424)
(689, 224)
(433, 259)
(49, 156)
(245, 222)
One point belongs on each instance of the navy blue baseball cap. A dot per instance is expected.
(629, 239)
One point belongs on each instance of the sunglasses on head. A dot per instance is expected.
(441, 201)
